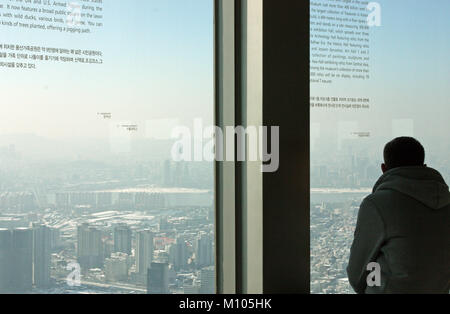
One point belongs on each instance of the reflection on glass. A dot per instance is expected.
(91, 200)
(376, 74)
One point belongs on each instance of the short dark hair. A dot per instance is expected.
(404, 152)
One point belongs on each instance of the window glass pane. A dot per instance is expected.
(93, 195)
(379, 70)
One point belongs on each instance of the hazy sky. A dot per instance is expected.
(410, 75)
(158, 63)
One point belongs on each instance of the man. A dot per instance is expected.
(404, 227)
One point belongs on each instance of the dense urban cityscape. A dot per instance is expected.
(148, 226)
(152, 232)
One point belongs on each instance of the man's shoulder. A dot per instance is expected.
(378, 196)
(381, 199)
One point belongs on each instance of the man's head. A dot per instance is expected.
(403, 152)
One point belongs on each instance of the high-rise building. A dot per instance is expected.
(167, 175)
(89, 247)
(207, 281)
(179, 253)
(204, 250)
(122, 239)
(125, 201)
(178, 175)
(144, 252)
(149, 201)
(42, 241)
(164, 224)
(116, 267)
(55, 238)
(62, 200)
(83, 199)
(5, 260)
(108, 248)
(104, 199)
(158, 279)
(191, 289)
(22, 260)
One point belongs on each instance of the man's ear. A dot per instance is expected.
(383, 168)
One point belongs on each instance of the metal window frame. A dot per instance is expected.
(262, 78)
(225, 171)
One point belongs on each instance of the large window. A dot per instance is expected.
(379, 70)
(94, 197)
(107, 179)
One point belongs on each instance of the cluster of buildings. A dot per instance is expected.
(102, 200)
(156, 259)
(131, 227)
(357, 172)
(136, 198)
(20, 201)
(332, 229)
(25, 258)
(142, 257)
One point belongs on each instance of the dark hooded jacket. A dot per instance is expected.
(404, 226)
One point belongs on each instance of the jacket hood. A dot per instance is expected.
(424, 184)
